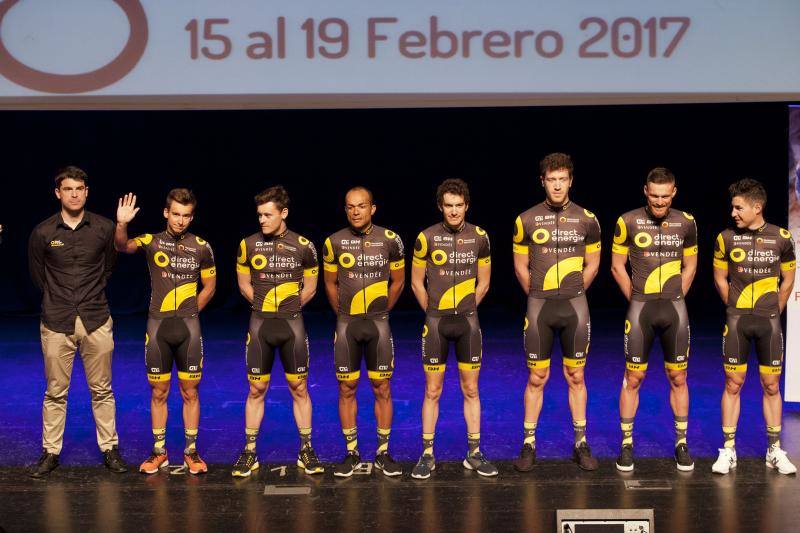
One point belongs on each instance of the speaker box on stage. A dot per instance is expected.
(604, 521)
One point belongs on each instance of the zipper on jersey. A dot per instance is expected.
(363, 276)
(558, 252)
(455, 255)
(660, 257)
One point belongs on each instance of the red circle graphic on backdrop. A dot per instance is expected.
(114, 71)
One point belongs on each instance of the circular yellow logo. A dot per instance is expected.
(643, 240)
(200, 241)
(390, 234)
(588, 213)
(425, 331)
(540, 236)
(347, 260)
(258, 261)
(737, 255)
(439, 257)
(688, 216)
(302, 240)
(479, 231)
(627, 327)
(161, 259)
(785, 234)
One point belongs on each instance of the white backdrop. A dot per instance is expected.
(247, 48)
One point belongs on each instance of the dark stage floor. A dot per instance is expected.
(91, 499)
(81, 496)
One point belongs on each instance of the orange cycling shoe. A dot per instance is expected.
(154, 462)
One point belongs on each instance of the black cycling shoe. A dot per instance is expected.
(346, 468)
(583, 456)
(625, 459)
(390, 467)
(307, 460)
(526, 459)
(46, 464)
(113, 461)
(683, 460)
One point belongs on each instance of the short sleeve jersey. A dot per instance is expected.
(754, 260)
(363, 263)
(176, 265)
(655, 248)
(556, 239)
(451, 259)
(277, 265)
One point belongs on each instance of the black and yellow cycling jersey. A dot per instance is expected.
(451, 258)
(176, 265)
(277, 265)
(656, 248)
(556, 239)
(363, 263)
(754, 260)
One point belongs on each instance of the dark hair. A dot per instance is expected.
(182, 196)
(275, 194)
(660, 175)
(749, 189)
(556, 161)
(452, 186)
(360, 188)
(71, 172)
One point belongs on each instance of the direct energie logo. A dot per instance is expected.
(109, 74)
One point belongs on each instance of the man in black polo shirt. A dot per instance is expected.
(71, 256)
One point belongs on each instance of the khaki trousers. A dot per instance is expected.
(59, 354)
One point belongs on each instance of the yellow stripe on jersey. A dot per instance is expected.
(453, 296)
(311, 272)
(397, 265)
(519, 249)
(750, 294)
(691, 250)
(242, 269)
(719, 263)
(619, 249)
(330, 267)
(594, 247)
(174, 298)
(484, 261)
(658, 278)
(363, 298)
(719, 253)
(276, 296)
(789, 265)
(417, 262)
(556, 273)
(209, 272)
(143, 240)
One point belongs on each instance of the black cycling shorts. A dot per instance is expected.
(173, 339)
(569, 318)
(463, 330)
(265, 335)
(767, 334)
(363, 337)
(666, 319)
